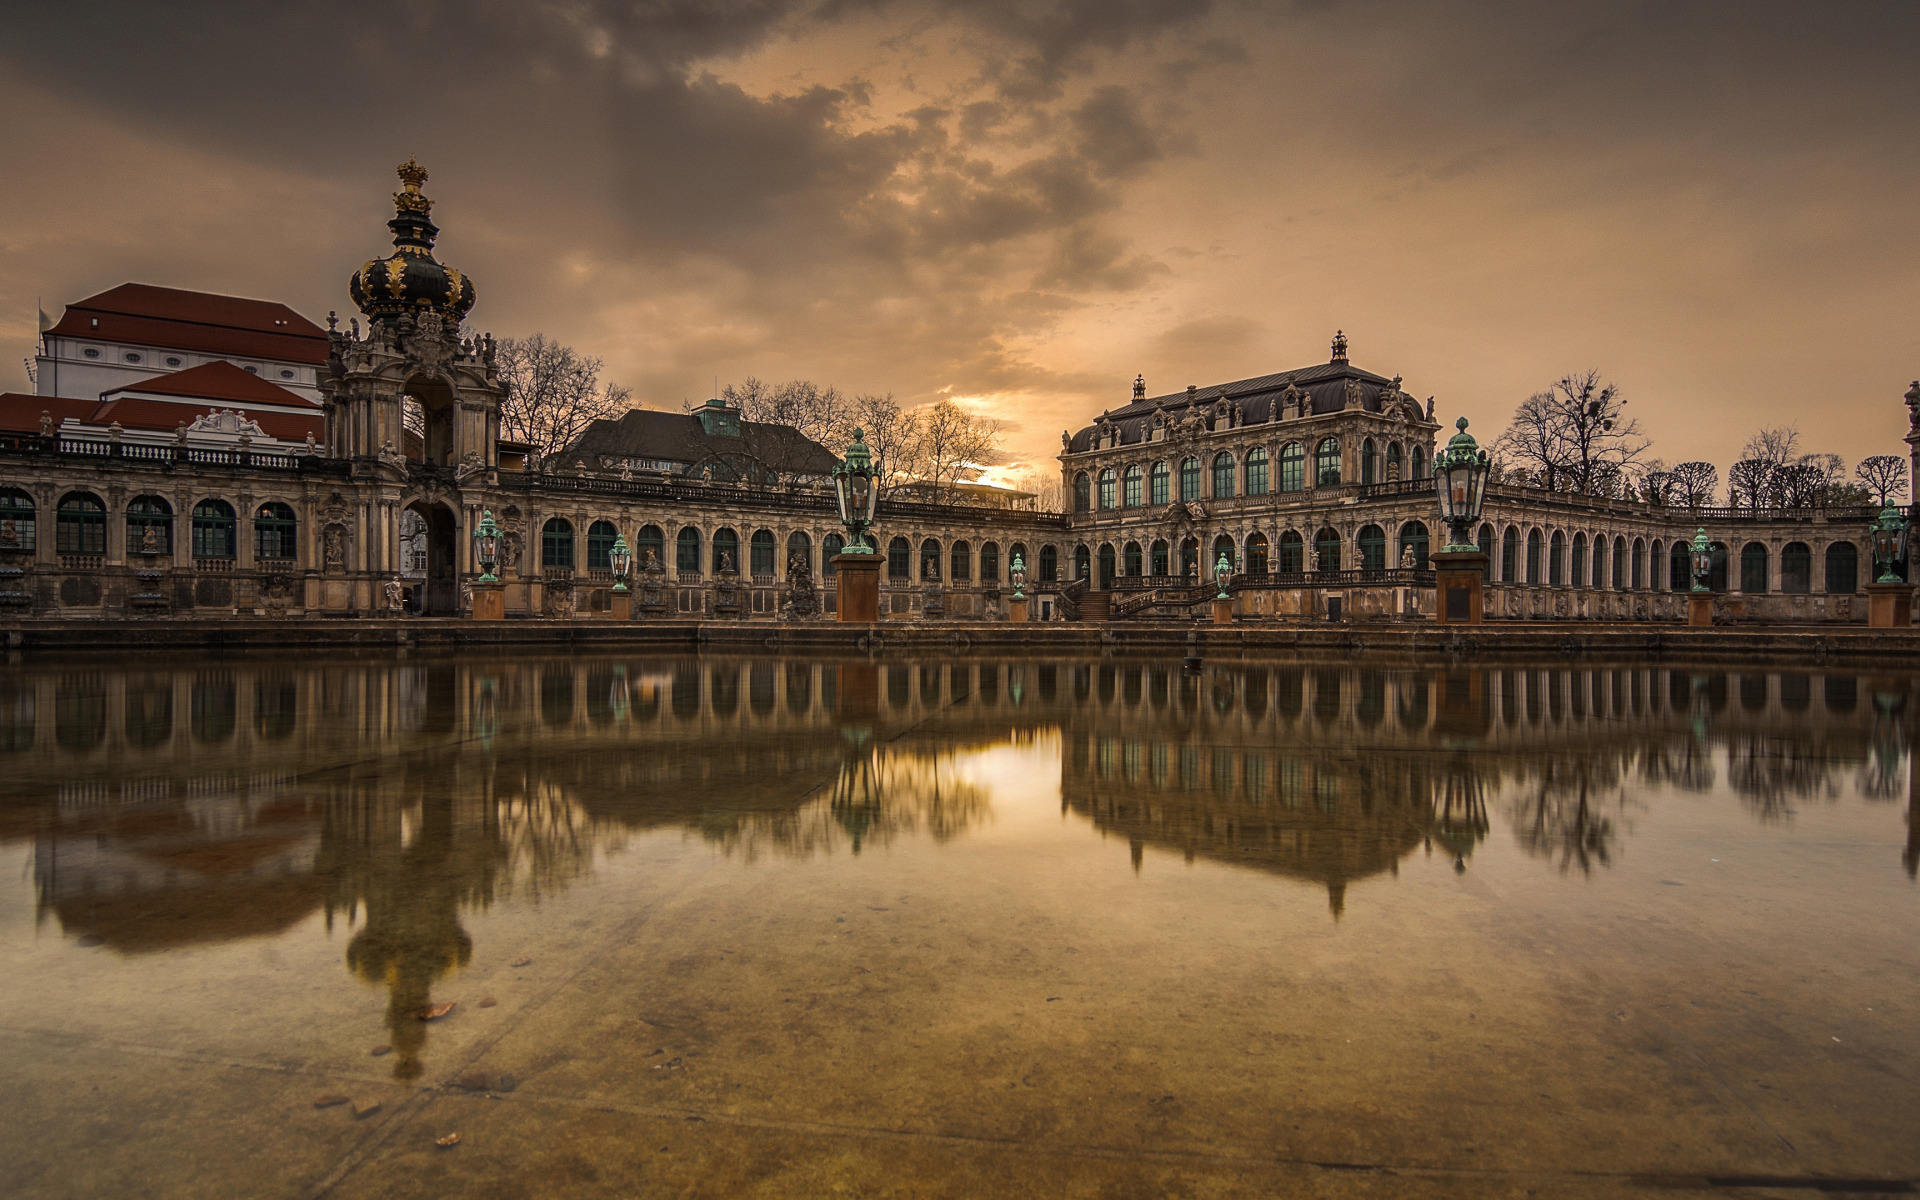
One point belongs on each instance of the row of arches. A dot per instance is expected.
(1554, 559)
(1251, 475)
(80, 526)
(1372, 550)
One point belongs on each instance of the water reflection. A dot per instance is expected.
(168, 807)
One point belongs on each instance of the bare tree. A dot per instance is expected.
(892, 437)
(953, 444)
(1575, 436)
(1749, 483)
(818, 413)
(1694, 483)
(1884, 475)
(553, 393)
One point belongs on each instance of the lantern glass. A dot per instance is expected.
(486, 546)
(1019, 577)
(620, 558)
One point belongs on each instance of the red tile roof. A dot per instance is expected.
(216, 381)
(20, 411)
(144, 315)
(167, 415)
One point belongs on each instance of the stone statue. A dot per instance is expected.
(46, 423)
(1429, 410)
(311, 448)
(1353, 393)
(726, 563)
(396, 594)
(332, 548)
(1339, 345)
(649, 561)
(1406, 558)
(802, 600)
(471, 464)
(150, 540)
(9, 534)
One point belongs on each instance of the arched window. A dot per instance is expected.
(1796, 568)
(650, 542)
(1106, 488)
(1619, 563)
(1223, 476)
(1557, 560)
(1366, 462)
(1419, 461)
(799, 551)
(1535, 544)
(1082, 492)
(899, 559)
(600, 536)
(80, 524)
(1717, 577)
(760, 548)
(1486, 547)
(1257, 471)
(1049, 564)
(1157, 483)
(1843, 569)
(1639, 576)
(556, 544)
(1371, 546)
(1130, 488)
(1599, 560)
(276, 535)
(726, 551)
(686, 551)
(214, 532)
(1293, 467)
(1394, 465)
(1509, 556)
(1107, 566)
(145, 513)
(1326, 463)
(1293, 553)
(1189, 556)
(990, 562)
(929, 560)
(1189, 479)
(1578, 577)
(1679, 568)
(16, 520)
(1082, 562)
(1753, 568)
(1162, 563)
(1326, 550)
(1413, 536)
(1655, 562)
(1223, 545)
(830, 545)
(960, 562)
(1135, 561)
(1256, 560)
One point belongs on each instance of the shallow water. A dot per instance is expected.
(719, 927)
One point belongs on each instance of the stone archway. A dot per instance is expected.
(440, 594)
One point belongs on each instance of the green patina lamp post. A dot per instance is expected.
(1889, 596)
(621, 560)
(1702, 553)
(857, 566)
(1222, 603)
(489, 597)
(1460, 566)
(1019, 576)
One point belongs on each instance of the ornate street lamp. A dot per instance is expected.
(853, 485)
(1702, 560)
(486, 546)
(1019, 576)
(1222, 572)
(1461, 470)
(1890, 543)
(621, 560)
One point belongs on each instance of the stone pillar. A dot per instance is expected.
(1889, 605)
(1460, 593)
(489, 601)
(1700, 608)
(620, 606)
(857, 586)
(1017, 610)
(1222, 611)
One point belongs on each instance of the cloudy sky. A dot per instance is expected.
(1024, 204)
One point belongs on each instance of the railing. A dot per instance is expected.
(788, 499)
(164, 455)
(215, 566)
(1363, 577)
(83, 562)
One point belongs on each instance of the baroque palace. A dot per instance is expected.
(199, 455)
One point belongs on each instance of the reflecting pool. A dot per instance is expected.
(725, 926)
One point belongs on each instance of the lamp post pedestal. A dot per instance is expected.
(620, 606)
(1017, 610)
(1222, 611)
(1889, 605)
(489, 601)
(857, 586)
(1459, 578)
(1700, 608)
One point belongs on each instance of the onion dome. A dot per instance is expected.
(410, 280)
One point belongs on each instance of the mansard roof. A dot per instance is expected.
(681, 438)
(144, 315)
(1325, 385)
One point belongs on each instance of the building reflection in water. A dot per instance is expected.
(173, 807)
